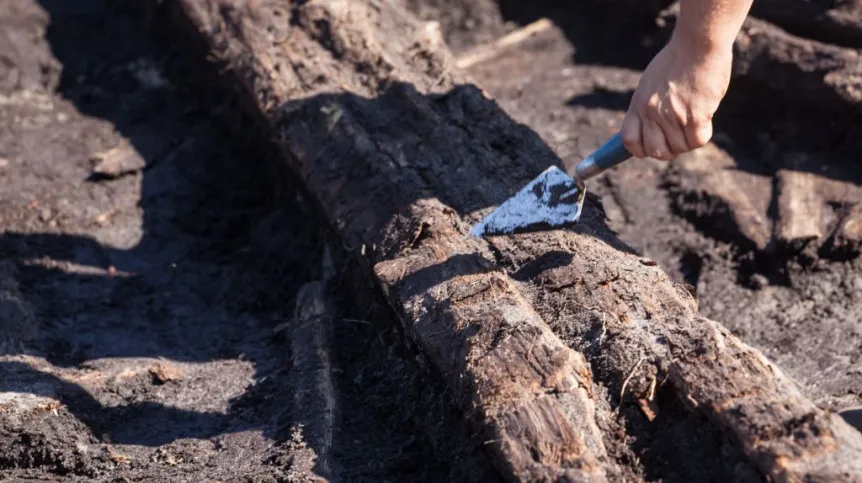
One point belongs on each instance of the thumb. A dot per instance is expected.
(632, 134)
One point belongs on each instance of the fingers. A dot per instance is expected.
(698, 133)
(654, 140)
(631, 134)
(671, 123)
(663, 133)
(658, 130)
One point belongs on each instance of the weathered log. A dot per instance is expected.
(363, 105)
(707, 189)
(529, 392)
(835, 22)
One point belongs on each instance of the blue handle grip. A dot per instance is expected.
(608, 155)
(611, 153)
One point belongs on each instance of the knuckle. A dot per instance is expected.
(656, 152)
(644, 111)
(680, 114)
(699, 122)
(701, 140)
(678, 149)
(629, 135)
(699, 137)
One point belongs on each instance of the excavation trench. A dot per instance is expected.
(345, 327)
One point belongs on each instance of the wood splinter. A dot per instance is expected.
(489, 51)
(799, 210)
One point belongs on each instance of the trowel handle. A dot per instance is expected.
(609, 154)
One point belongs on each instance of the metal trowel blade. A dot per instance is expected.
(551, 200)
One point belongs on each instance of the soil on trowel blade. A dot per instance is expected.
(148, 269)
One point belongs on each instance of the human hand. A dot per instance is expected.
(672, 108)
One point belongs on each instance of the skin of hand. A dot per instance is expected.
(672, 108)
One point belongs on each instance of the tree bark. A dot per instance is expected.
(367, 108)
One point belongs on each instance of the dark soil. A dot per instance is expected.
(148, 265)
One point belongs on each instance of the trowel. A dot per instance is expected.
(553, 199)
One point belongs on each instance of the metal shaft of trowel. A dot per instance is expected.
(608, 155)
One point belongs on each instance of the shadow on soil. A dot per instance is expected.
(208, 270)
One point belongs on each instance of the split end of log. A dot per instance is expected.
(846, 240)
(798, 228)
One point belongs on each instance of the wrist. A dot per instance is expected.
(702, 42)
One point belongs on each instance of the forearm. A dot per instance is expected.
(711, 24)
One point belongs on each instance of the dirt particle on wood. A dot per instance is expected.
(165, 372)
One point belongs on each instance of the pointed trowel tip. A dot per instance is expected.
(478, 230)
(553, 199)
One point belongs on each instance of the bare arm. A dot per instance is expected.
(672, 108)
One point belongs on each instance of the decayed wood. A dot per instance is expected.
(836, 22)
(362, 104)
(800, 210)
(707, 189)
